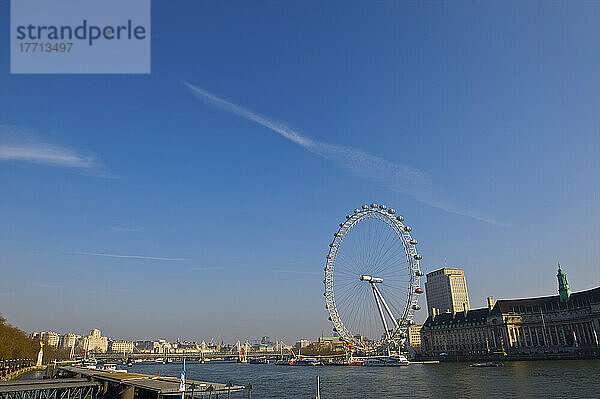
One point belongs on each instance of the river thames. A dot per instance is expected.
(535, 379)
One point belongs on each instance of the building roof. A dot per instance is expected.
(458, 319)
(547, 303)
(446, 270)
(526, 305)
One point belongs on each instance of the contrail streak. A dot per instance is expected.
(19, 145)
(131, 256)
(396, 177)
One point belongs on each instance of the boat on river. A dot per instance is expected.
(305, 361)
(486, 364)
(258, 360)
(386, 361)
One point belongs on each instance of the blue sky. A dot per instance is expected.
(492, 109)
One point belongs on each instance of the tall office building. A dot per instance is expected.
(446, 291)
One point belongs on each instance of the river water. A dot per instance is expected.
(534, 379)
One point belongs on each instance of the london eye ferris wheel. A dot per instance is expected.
(372, 280)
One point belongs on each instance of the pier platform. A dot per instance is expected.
(133, 385)
(71, 388)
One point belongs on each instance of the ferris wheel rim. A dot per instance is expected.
(413, 258)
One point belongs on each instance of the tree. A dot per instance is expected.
(14, 344)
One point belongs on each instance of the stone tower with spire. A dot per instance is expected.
(563, 285)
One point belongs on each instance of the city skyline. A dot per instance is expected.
(165, 206)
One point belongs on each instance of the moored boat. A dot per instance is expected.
(307, 361)
(386, 361)
(258, 360)
(485, 364)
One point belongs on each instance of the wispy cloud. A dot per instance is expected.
(121, 229)
(132, 256)
(20, 145)
(396, 177)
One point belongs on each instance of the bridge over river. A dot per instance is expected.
(188, 356)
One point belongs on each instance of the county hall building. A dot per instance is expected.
(563, 323)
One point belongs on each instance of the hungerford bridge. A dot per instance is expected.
(228, 355)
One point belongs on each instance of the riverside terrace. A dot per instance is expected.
(121, 385)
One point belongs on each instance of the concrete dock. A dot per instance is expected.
(123, 385)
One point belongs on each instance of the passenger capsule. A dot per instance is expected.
(416, 307)
(356, 210)
(413, 241)
(391, 211)
(331, 245)
(341, 224)
(335, 234)
(407, 228)
(419, 290)
(382, 207)
(334, 329)
(400, 218)
(365, 207)
(324, 294)
(329, 318)
(420, 273)
(373, 205)
(348, 216)
(324, 281)
(418, 257)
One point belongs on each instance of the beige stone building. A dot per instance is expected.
(95, 342)
(414, 337)
(446, 291)
(121, 346)
(69, 340)
(49, 337)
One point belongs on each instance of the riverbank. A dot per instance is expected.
(18, 373)
(516, 357)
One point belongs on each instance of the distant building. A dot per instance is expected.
(69, 340)
(329, 339)
(186, 347)
(121, 346)
(145, 346)
(414, 337)
(266, 341)
(95, 342)
(162, 346)
(50, 338)
(328, 345)
(303, 343)
(446, 291)
(551, 324)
